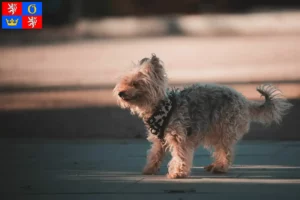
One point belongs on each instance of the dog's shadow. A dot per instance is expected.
(251, 172)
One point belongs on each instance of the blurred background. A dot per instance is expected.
(57, 82)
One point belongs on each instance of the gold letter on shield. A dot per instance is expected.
(31, 6)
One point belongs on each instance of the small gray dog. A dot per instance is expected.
(211, 115)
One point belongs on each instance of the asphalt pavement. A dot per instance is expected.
(111, 169)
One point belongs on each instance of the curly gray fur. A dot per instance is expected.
(212, 107)
(274, 107)
(217, 115)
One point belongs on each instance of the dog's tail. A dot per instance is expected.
(272, 109)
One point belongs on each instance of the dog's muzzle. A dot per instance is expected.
(124, 96)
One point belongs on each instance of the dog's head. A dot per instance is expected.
(142, 88)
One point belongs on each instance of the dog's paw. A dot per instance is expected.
(177, 175)
(219, 170)
(150, 171)
(209, 167)
(216, 169)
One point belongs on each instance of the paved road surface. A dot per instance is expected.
(85, 169)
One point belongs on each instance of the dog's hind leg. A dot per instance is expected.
(223, 158)
(155, 157)
(224, 146)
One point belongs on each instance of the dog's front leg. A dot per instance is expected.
(182, 160)
(155, 157)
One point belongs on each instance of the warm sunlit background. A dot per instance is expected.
(62, 135)
(57, 82)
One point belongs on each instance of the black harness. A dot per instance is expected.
(158, 122)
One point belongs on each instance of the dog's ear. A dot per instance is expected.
(155, 61)
(154, 64)
(144, 60)
(157, 68)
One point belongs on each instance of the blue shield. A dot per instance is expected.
(32, 8)
(11, 22)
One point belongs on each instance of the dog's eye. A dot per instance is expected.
(135, 84)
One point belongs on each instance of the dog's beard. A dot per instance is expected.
(140, 105)
(144, 88)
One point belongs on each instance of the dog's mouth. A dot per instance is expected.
(125, 98)
(128, 98)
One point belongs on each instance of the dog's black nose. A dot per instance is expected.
(122, 94)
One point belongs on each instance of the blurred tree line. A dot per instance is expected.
(60, 12)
